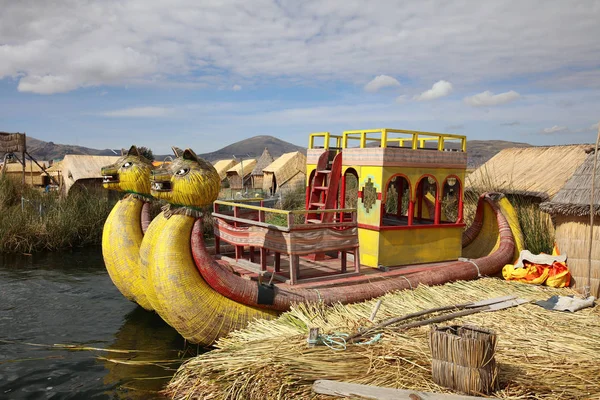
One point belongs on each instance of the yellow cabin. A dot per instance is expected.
(409, 189)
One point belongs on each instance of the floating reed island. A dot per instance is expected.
(540, 354)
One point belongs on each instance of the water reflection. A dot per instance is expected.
(68, 298)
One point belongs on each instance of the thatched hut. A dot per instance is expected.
(239, 175)
(257, 173)
(83, 171)
(34, 175)
(285, 173)
(534, 173)
(222, 166)
(570, 211)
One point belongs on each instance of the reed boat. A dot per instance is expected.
(384, 212)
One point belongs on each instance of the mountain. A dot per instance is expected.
(49, 150)
(253, 146)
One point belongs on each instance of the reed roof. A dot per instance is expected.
(222, 166)
(246, 165)
(263, 161)
(287, 166)
(574, 197)
(531, 171)
(17, 167)
(76, 167)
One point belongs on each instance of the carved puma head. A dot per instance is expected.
(131, 173)
(188, 181)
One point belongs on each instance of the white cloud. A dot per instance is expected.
(439, 89)
(46, 84)
(118, 42)
(487, 98)
(555, 129)
(140, 112)
(236, 88)
(380, 82)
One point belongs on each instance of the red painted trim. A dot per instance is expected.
(408, 227)
(360, 194)
(378, 195)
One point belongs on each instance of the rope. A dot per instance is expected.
(337, 341)
(472, 262)
(409, 284)
(319, 295)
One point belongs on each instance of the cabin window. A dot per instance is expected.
(451, 210)
(349, 189)
(427, 206)
(397, 200)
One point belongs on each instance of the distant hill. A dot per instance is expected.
(254, 146)
(49, 150)
(479, 150)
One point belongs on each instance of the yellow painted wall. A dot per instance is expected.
(369, 247)
(415, 246)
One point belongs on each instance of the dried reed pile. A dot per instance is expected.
(463, 358)
(540, 354)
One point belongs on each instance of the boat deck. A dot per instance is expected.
(325, 272)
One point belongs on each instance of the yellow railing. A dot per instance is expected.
(327, 138)
(415, 139)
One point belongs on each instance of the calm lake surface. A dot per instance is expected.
(68, 298)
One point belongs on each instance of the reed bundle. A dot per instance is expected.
(463, 358)
(540, 354)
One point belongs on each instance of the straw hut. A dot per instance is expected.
(534, 173)
(257, 173)
(34, 175)
(285, 173)
(570, 211)
(239, 171)
(83, 171)
(222, 166)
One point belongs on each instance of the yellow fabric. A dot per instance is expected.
(186, 301)
(121, 240)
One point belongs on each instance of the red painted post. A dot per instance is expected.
(438, 210)
(459, 220)
(411, 212)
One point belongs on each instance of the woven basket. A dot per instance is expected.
(463, 358)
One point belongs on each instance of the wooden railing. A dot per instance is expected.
(283, 220)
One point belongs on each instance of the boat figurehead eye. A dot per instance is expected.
(127, 164)
(182, 171)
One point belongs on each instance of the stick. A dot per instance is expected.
(344, 389)
(428, 311)
(588, 288)
(375, 309)
(446, 317)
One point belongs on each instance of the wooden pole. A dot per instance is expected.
(588, 287)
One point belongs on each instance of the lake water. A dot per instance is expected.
(68, 298)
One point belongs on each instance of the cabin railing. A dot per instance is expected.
(386, 137)
(239, 214)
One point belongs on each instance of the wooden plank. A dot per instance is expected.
(343, 389)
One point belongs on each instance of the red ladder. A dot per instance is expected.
(324, 188)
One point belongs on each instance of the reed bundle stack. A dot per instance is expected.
(463, 358)
(540, 354)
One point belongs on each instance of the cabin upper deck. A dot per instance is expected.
(392, 147)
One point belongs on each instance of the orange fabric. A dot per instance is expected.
(555, 275)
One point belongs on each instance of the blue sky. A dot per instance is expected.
(205, 74)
